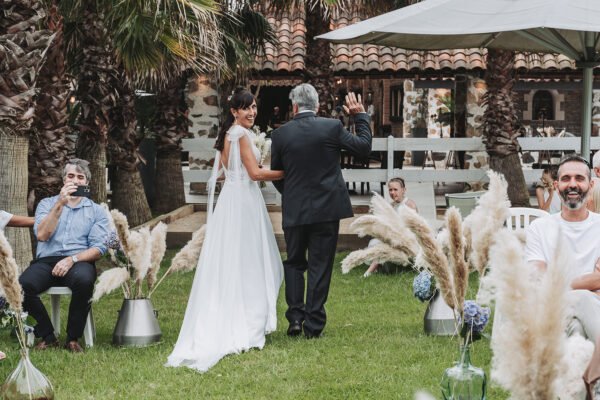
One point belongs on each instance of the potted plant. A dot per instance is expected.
(25, 381)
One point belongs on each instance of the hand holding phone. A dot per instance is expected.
(82, 191)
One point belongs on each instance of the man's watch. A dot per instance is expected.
(75, 259)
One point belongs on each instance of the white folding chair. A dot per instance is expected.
(89, 332)
(520, 217)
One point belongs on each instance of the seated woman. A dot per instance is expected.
(7, 219)
(547, 197)
(397, 191)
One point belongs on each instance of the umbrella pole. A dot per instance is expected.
(586, 124)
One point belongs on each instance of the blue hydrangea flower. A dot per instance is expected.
(476, 317)
(3, 304)
(112, 241)
(422, 287)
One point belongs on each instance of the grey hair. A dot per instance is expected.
(305, 96)
(80, 167)
(596, 160)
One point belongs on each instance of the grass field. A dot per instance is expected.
(373, 348)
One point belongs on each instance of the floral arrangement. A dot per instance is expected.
(424, 286)
(8, 321)
(476, 319)
(263, 144)
(13, 293)
(136, 256)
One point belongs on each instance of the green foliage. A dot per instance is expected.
(373, 347)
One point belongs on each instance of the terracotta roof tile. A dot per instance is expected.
(288, 54)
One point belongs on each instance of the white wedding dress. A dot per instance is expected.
(233, 300)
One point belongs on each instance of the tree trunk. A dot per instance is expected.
(128, 195)
(510, 167)
(13, 186)
(169, 175)
(501, 124)
(170, 126)
(88, 148)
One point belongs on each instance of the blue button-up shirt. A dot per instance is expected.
(80, 228)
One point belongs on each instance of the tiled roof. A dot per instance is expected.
(288, 55)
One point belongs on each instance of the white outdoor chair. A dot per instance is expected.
(465, 202)
(89, 332)
(520, 217)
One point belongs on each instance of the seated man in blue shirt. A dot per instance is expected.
(71, 231)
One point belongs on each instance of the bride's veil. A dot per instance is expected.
(234, 171)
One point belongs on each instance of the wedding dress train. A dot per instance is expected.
(232, 304)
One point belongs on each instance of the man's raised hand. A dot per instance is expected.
(354, 106)
(65, 193)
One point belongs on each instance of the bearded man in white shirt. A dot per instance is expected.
(580, 229)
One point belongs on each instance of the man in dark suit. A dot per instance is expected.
(314, 199)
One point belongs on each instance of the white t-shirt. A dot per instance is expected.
(582, 241)
(4, 219)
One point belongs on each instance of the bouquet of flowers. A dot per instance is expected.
(475, 319)
(424, 286)
(264, 147)
(8, 321)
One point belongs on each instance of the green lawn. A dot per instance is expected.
(374, 347)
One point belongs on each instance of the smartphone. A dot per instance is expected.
(82, 191)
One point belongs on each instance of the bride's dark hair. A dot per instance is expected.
(241, 98)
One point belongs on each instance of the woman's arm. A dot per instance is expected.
(254, 171)
(17, 220)
(539, 193)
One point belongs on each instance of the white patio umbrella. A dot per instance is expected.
(569, 27)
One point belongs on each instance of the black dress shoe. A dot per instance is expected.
(313, 336)
(295, 328)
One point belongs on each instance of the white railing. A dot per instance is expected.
(391, 144)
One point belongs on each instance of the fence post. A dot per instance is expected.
(390, 157)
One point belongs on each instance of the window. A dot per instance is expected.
(396, 103)
(543, 105)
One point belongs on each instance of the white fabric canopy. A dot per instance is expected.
(569, 27)
(455, 24)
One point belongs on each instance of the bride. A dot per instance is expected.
(232, 305)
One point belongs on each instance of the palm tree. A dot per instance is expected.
(130, 48)
(48, 145)
(23, 47)
(501, 124)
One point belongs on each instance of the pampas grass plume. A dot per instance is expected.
(140, 253)
(187, 258)
(9, 275)
(110, 280)
(431, 252)
(530, 342)
(111, 221)
(378, 253)
(460, 272)
(385, 231)
(579, 352)
(157, 251)
(122, 226)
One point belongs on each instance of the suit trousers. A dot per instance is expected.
(38, 277)
(319, 240)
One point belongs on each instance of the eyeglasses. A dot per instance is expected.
(79, 161)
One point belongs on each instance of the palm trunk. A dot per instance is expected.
(95, 152)
(125, 180)
(501, 127)
(169, 175)
(171, 125)
(48, 145)
(128, 195)
(13, 187)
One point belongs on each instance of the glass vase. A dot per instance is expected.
(27, 382)
(464, 381)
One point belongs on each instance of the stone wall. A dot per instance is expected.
(204, 116)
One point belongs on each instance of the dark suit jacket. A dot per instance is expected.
(308, 149)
